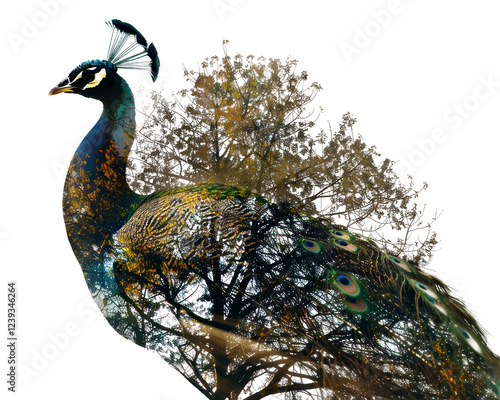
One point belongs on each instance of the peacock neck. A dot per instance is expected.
(113, 132)
(97, 199)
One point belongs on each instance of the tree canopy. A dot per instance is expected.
(246, 122)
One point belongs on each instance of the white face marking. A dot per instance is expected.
(98, 78)
(78, 77)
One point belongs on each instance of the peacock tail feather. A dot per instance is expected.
(208, 252)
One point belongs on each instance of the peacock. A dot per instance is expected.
(248, 298)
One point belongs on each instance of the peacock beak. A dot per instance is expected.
(60, 89)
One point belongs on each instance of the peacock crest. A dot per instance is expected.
(248, 298)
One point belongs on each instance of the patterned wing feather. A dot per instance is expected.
(372, 324)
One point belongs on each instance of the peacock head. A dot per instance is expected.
(90, 79)
(97, 78)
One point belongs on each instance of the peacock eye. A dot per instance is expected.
(347, 284)
(344, 280)
(311, 246)
(88, 76)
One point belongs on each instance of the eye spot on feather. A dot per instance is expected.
(340, 235)
(347, 284)
(469, 339)
(426, 291)
(356, 304)
(342, 244)
(311, 246)
(401, 264)
(430, 296)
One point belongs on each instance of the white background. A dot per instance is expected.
(410, 66)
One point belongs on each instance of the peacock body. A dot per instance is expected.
(248, 298)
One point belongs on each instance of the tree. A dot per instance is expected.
(245, 122)
(245, 310)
